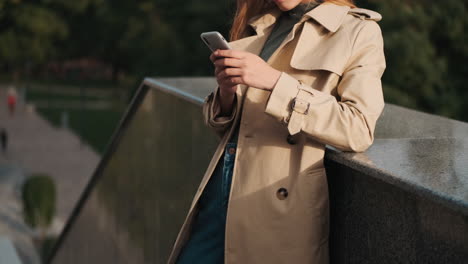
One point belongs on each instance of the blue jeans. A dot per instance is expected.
(229, 156)
(206, 241)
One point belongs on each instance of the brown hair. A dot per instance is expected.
(246, 9)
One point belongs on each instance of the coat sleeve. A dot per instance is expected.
(346, 123)
(212, 114)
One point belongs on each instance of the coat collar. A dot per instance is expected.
(259, 23)
(310, 43)
(330, 16)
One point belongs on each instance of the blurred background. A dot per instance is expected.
(68, 69)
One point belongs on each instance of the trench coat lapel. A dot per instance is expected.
(312, 51)
(329, 16)
(322, 20)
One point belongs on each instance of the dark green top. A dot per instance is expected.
(282, 27)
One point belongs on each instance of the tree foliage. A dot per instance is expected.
(425, 42)
(426, 51)
(30, 30)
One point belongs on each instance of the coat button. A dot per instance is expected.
(291, 140)
(282, 193)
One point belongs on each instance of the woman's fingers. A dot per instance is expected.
(229, 62)
(213, 57)
(238, 54)
(220, 54)
(229, 72)
(230, 77)
(217, 70)
(229, 67)
(235, 80)
(227, 83)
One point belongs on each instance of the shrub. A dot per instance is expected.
(39, 200)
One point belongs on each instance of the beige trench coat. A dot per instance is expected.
(278, 208)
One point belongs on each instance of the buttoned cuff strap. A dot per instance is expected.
(299, 105)
(279, 102)
(290, 101)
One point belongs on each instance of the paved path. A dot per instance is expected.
(35, 146)
(11, 220)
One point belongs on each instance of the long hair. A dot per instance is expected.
(246, 9)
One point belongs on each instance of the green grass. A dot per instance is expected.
(95, 127)
(54, 96)
(104, 84)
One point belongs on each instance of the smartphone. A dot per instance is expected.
(214, 40)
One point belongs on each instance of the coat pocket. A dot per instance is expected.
(312, 190)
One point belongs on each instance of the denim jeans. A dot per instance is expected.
(229, 156)
(206, 241)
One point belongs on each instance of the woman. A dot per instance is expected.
(301, 75)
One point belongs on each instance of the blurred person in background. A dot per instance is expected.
(4, 140)
(12, 100)
(301, 74)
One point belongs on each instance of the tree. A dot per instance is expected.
(30, 30)
(426, 51)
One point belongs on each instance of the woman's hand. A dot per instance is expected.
(240, 67)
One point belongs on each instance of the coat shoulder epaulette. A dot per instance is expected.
(365, 14)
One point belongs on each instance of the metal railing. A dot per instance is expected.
(404, 200)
